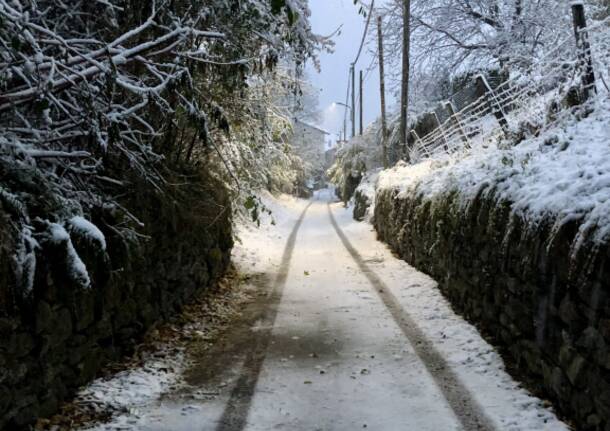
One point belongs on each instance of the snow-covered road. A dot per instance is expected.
(342, 336)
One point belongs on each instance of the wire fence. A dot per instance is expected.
(490, 108)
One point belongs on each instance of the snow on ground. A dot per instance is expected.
(336, 357)
(476, 363)
(562, 175)
(329, 308)
(133, 394)
(367, 189)
(257, 247)
(129, 391)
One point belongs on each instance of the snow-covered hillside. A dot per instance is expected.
(563, 175)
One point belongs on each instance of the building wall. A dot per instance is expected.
(310, 144)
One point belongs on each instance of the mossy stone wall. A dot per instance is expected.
(524, 286)
(57, 338)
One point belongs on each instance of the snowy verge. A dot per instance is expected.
(364, 196)
(258, 246)
(477, 364)
(562, 175)
(129, 391)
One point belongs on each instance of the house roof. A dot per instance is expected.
(311, 126)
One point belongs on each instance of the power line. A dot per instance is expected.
(366, 29)
(349, 79)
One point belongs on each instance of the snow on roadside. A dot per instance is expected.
(366, 190)
(131, 395)
(259, 247)
(477, 364)
(562, 175)
(129, 391)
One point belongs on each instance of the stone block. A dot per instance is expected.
(6, 399)
(576, 370)
(568, 312)
(20, 344)
(602, 403)
(44, 317)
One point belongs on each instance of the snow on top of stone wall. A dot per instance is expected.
(75, 266)
(89, 230)
(562, 175)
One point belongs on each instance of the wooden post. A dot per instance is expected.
(353, 100)
(418, 141)
(440, 127)
(415, 135)
(361, 104)
(493, 103)
(455, 116)
(582, 42)
(384, 125)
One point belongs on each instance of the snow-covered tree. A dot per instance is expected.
(454, 37)
(96, 93)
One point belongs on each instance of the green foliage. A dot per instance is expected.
(255, 207)
(277, 5)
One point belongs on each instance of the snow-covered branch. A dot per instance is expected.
(97, 95)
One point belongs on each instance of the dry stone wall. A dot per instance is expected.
(57, 338)
(530, 291)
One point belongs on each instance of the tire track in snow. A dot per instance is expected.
(235, 414)
(464, 406)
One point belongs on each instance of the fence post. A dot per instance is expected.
(493, 103)
(455, 116)
(418, 144)
(582, 42)
(440, 127)
(416, 136)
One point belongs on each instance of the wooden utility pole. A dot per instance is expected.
(384, 125)
(361, 104)
(582, 41)
(353, 100)
(404, 91)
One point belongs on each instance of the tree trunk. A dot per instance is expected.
(404, 92)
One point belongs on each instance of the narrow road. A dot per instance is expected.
(339, 356)
(329, 345)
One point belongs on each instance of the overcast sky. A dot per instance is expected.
(326, 16)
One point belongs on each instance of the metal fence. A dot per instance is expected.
(536, 99)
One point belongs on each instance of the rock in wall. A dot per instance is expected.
(533, 290)
(56, 338)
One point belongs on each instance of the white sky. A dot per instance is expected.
(326, 16)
